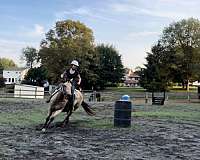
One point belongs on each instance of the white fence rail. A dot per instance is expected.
(28, 91)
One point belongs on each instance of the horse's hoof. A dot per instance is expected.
(43, 129)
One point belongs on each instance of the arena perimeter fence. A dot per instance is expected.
(101, 96)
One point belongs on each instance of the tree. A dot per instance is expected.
(156, 74)
(111, 69)
(67, 41)
(7, 63)
(2, 81)
(4, 64)
(36, 76)
(30, 55)
(1, 69)
(183, 38)
(175, 58)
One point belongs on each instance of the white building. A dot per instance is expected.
(14, 75)
(131, 79)
(196, 83)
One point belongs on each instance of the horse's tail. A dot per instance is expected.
(87, 108)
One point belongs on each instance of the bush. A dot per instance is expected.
(10, 88)
(2, 82)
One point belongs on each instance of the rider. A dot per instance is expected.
(72, 74)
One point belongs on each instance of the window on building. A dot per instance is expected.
(9, 80)
(13, 80)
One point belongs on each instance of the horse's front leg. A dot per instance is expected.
(46, 122)
(50, 118)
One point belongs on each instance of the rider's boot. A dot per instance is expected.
(70, 100)
(69, 104)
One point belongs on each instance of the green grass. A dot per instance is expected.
(27, 117)
(22, 118)
(187, 116)
(103, 123)
(172, 112)
(125, 89)
(37, 116)
(180, 89)
(183, 112)
(132, 89)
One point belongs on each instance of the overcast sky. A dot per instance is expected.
(132, 26)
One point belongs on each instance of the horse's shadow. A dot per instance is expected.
(54, 127)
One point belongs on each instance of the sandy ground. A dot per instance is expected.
(152, 140)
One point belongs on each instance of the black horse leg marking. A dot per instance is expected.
(47, 120)
(51, 119)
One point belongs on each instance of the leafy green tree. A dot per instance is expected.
(7, 63)
(156, 74)
(183, 37)
(111, 70)
(30, 55)
(67, 41)
(36, 76)
(1, 68)
(4, 64)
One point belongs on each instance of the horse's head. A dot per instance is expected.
(68, 87)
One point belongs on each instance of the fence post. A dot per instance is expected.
(35, 92)
(94, 94)
(20, 92)
(146, 97)
(188, 95)
(5, 91)
(188, 89)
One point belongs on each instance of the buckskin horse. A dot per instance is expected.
(59, 103)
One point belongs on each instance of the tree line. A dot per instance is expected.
(175, 58)
(100, 65)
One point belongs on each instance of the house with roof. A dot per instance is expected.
(14, 75)
(131, 79)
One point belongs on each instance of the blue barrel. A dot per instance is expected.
(122, 113)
